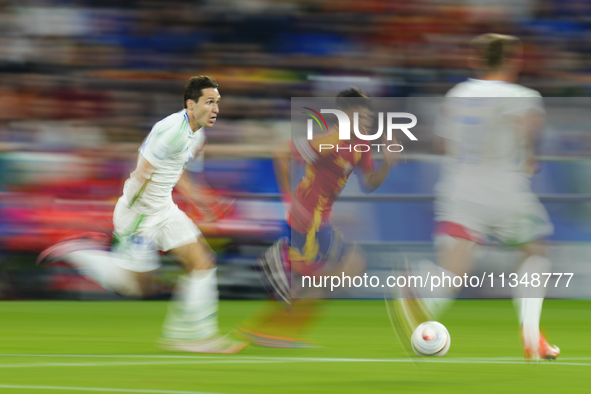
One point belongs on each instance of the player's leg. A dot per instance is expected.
(525, 225)
(280, 323)
(352, 263)
(282, 326)
(191, 323)
(455, 245)
(460, 227)
(105, 268)
(528, 302)
(274, 268)
(317, 253)
(455, 248)
(193, 315)
(455, 257)
(126, 269)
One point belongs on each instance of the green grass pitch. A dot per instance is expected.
(82, 347)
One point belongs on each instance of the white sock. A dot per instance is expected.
(437, 301)
(100, 266)
(193, 313)
(528, 301)
(531, 310)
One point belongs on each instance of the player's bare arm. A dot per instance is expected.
(192, 186)
(374, 179)
(530, 124)
(196, 190)
(142, 175)
(143, 170)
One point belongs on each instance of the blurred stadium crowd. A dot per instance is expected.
(83, 81)
(111, 68)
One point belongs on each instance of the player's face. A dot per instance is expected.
(204, 112)
(365, 119)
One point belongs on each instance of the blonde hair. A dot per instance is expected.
(492, 49)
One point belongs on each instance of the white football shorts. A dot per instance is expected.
(140, 237)
(514, 216)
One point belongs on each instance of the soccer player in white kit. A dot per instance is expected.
(488, 126)
(146, 220)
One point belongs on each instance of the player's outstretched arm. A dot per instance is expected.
(530, 125)
(374, 179)
(196, 190)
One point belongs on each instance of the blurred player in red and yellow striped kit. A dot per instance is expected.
(315, 247)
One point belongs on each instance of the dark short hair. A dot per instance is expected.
(352, 98)
(195, 85)
(492, 49)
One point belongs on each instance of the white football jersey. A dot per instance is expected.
(481, 125)
(171, 146)
(484, 186)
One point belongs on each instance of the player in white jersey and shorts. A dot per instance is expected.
(488, 128)
(146, 221)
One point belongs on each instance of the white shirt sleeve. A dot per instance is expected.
(164, 141)
(528, 101)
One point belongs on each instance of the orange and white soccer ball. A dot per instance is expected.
(430, 338)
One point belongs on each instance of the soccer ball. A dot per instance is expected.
(430, 338)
